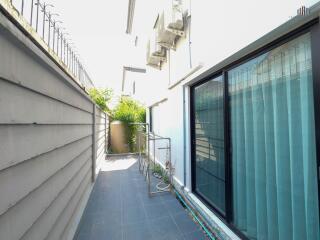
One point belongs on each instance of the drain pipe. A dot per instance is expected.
(189, 38)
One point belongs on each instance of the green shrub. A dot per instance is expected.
(130, 111)
(157, 169)
(101, 97)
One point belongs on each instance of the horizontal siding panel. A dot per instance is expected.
(99, 162)
(98, 138)
(21, 142)
(100, 126)
(60, 229)
(45, 141)
(41, 228)
(25, 68)
(100, 133)
(100, 120)
(100, 150)
(18, 219)
(32, 173)
(100, 115)
(100, 143)
(26, 106)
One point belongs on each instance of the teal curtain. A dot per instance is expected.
(209, 142)
(275, 193)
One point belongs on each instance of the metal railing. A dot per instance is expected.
(42, 20)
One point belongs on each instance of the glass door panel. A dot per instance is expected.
(208, 132)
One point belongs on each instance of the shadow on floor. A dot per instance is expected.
(119, 208)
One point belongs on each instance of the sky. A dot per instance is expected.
(98, 30)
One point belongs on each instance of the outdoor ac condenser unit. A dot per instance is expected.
(171, 25)
(155, 54)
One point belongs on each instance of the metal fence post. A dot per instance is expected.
(38, 3)
(94, 153)
(47, 28)
(22, 7)
(31, 16)
(43, 21)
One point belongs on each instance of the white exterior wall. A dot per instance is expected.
(218, 29)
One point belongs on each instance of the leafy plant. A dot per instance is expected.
(101, 97)
(157, 169)
(161, 172)
(130, 111)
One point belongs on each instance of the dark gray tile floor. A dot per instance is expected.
(119, 209)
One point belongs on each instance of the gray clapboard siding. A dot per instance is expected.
(23, 142)
(47, 139)
(23, 102)
(61, 227)
(45, 166)
(28, 66)
(49, 220)
(18, 219)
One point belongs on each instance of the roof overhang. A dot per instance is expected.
(130, 69)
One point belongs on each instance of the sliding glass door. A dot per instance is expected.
(270, 162)
(273, 144)
(209, 177)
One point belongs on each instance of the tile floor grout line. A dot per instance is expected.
(123, 179)
(171, 215)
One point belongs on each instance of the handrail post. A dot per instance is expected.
(94, 153)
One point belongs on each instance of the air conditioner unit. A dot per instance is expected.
(171, 25)
(176, 24)
(156, 54)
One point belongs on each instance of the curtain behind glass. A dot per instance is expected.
(209, 142)
(275, 193)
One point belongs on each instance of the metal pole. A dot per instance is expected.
(44, 20)
(37, 15)
(170, 165)
(49, 20)
(54, 33)
(154, 139)
(31, 12)
(139, 148)
(56, 29)
(64, 51)
(22, 7)
(148, 169)
(58, 39)
(61, 46)
(72, 62)
(77, 67)
(67, 60)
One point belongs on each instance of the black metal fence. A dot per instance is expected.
(44, 21)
